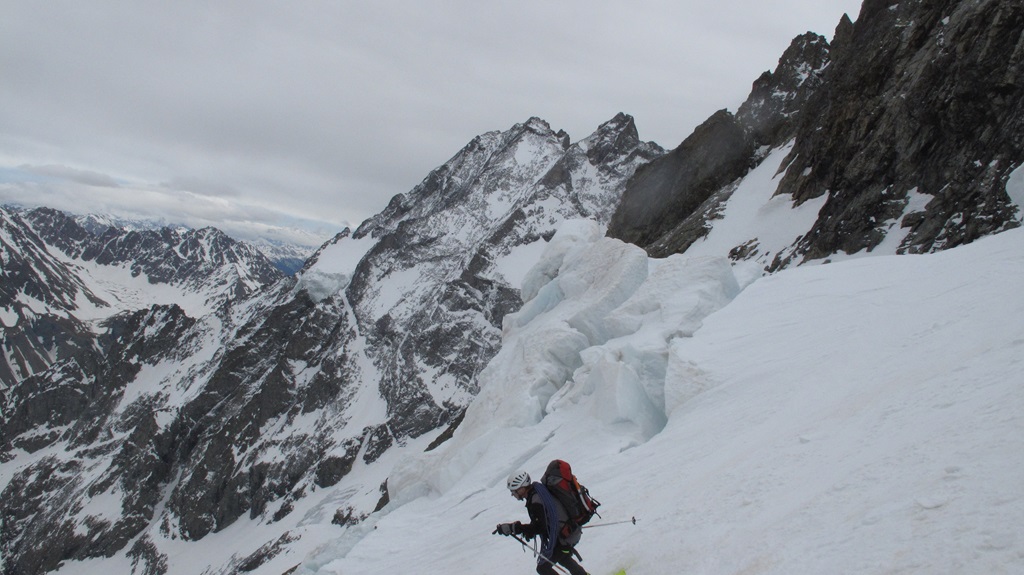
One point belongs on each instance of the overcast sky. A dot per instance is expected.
(251, 116)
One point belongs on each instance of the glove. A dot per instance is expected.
(509, 528)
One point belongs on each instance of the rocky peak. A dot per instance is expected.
(502, 190)
(505, 155)
(909, 126)
(611, 137)
(842, 38)
(777, 96)
(930, 102)
(60, 229)
(537, 126)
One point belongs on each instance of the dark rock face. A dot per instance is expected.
(667, 191)
(914, 98)
(223, 434)
(76, 403)
(924, 96)
(88, 385)
(667, 203)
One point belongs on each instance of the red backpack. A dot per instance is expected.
(576, 499)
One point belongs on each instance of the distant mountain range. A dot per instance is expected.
(286, 257)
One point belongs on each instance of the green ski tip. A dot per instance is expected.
(622, 572)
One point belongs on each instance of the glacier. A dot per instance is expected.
(863, 415)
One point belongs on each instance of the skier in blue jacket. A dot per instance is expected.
(549, 520)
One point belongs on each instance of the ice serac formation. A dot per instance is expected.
(188, 422)
(910, 120)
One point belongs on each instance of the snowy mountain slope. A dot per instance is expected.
(861, 416)
(249, 411)
(37, 290)
(788, 437)
(62, 282)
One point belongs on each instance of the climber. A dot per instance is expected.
(549, 520)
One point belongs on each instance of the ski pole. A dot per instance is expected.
(630, 520)
(554, 565)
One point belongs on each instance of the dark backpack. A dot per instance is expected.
(576, 499)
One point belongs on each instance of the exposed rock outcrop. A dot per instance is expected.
(914, 99)
(922, 96)
(666, 205)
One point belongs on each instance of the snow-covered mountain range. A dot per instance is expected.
(244, 408)
(285, 256)
(62, 283)
(174, 404)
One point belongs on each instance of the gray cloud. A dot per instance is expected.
(85, 177)
(317, 111)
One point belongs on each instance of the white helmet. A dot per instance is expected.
(518, 479)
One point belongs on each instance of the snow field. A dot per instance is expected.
(753, 213)
(858, 417)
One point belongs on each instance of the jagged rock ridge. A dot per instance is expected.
(50, 298)
(167, 255)
(915, 103)
(664, 208)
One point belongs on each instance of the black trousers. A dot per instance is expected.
(562, 556)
